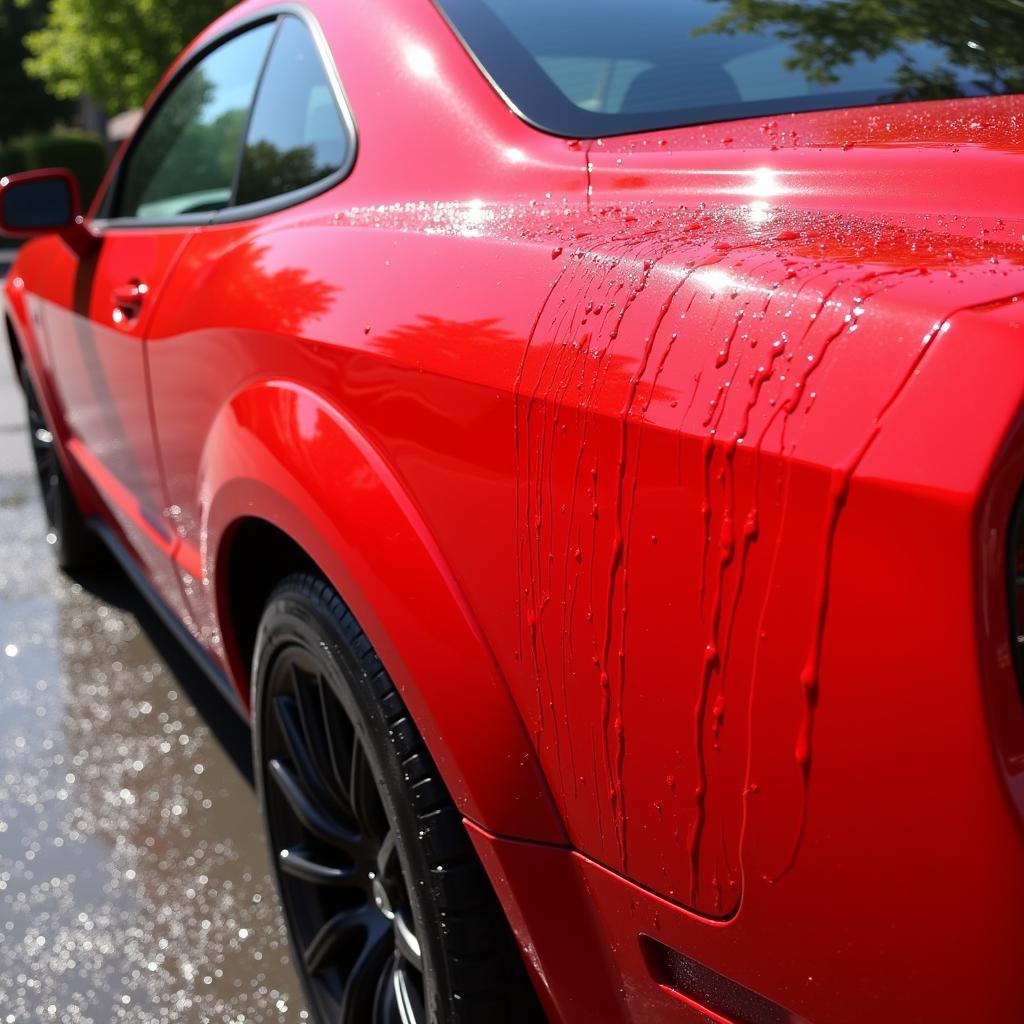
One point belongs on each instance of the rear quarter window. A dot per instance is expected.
(296, 135)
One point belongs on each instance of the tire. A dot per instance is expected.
(74, 545)
(390, 915)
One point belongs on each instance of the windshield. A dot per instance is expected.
(586, 68)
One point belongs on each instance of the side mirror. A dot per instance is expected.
(41, 203)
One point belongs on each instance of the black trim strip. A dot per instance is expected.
(706, 989)
(169, 619)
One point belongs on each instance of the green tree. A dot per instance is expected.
(980, 40)
(270, 171)
(113, 50)
(27, 106)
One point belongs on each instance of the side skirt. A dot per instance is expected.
(215, 673)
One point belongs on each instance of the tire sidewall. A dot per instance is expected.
(291, 619)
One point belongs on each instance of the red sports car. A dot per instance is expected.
(588, 440)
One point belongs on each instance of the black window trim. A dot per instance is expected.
(491, 80)
(248, 211)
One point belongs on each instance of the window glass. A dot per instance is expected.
(588, 68)
(296, 136)
(185, 158)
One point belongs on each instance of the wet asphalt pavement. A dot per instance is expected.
(134, 881)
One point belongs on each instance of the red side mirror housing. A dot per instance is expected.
(41, 203)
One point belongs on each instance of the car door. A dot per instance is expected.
(238, 300)
(178, 171)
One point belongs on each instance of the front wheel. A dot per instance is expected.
(391, 917)
(74, 544)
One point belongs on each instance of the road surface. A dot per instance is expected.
(133, 876)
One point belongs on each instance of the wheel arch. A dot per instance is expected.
(285, 474)
(256, 555)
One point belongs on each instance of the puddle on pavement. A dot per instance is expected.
(134, 882)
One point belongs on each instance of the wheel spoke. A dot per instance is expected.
(389, 871)
(398, 999)
(406, 943)
(312, 818)
(410, 1002)
(364, 978)
(339, 934)
(340, 737)
(310, 716)
(298, 862)
(288, 715)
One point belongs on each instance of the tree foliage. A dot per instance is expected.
(113, 50)
(981, 41)
(82, 153)
(268, 170)
(27, 106)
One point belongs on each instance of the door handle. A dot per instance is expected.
(127, 300)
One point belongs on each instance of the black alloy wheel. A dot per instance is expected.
(337, 853)
(74, 544)
(391, 917)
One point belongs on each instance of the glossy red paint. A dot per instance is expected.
(670, 476)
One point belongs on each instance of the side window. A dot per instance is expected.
(185, 158)
(296, 136)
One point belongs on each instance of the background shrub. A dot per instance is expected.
(83, 153)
